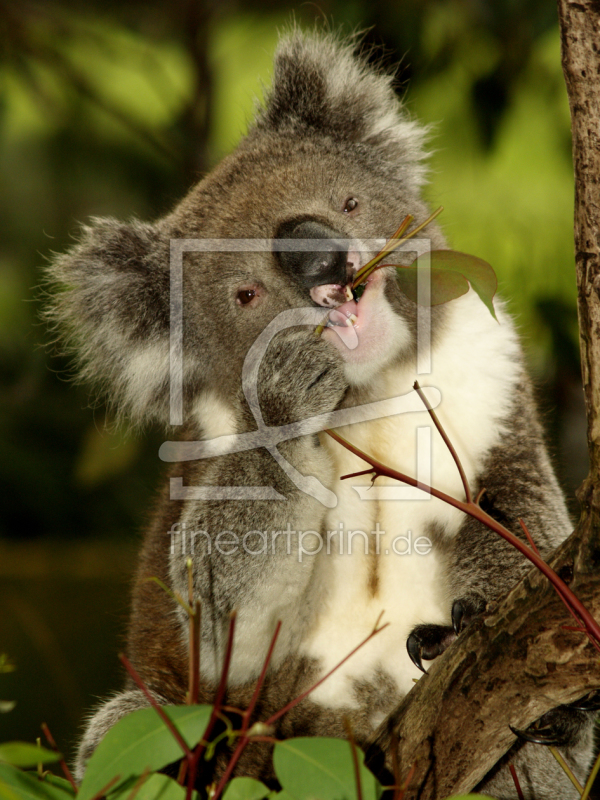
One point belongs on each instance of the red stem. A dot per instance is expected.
(62, 762)
(160, 711)
(447, 442)
(261, 679)
(301, 697)
(529, 537)
(216, 711)
(355, 763)
(244, 738)
(516, 782)
(405, 785)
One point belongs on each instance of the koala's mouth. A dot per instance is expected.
(333, 295)
(354, 323)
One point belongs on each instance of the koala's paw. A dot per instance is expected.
(299, 377)
(427, 642)
(563, 725)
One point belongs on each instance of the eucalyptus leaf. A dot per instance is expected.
(314, 767)
(141, 741)
(444, 287)
(155, 787)
(18, 785)
(246, 789)
(60, 782)
(23, 754)
(451, 274)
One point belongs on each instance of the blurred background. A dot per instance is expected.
(116, 108)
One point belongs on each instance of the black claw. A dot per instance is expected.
(591, 702)
(413, 645)
(546, 736)
(458, 613)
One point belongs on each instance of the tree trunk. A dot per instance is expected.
(513, 666)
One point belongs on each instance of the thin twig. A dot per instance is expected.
(516, 782)
(590, 781)
(392, 244)
(567, 769)
(173, 595)
(401, 791)
(301, 697)
(261, 679)
(363, 273)
(394, 743)
(244, 738)
(355, 762)
(160, 711)
(529, 536)
(200, 748)
(447, 441)
(62, 762)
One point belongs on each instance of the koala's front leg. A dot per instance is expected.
(256, 556)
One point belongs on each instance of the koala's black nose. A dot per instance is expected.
(323, 262)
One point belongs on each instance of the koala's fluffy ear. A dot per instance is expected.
(322, 87)
(111, 307)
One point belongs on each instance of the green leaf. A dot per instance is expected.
(445, 286)
(58, 780)
(141, 741)
(155, 787)
(314, 767)
(23, 754)
(451, 274)
(7, 705)
(245, 789)
(161, 787)
(18, 785)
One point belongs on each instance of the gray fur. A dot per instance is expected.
(331, 127)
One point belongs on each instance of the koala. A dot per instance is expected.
(205, 320)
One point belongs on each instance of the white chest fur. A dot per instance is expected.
(380, 557)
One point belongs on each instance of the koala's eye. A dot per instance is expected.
(350, 205)
(245, 296)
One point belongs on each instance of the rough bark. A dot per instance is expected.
(580, 36)
(506, 669)
(513, 666)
